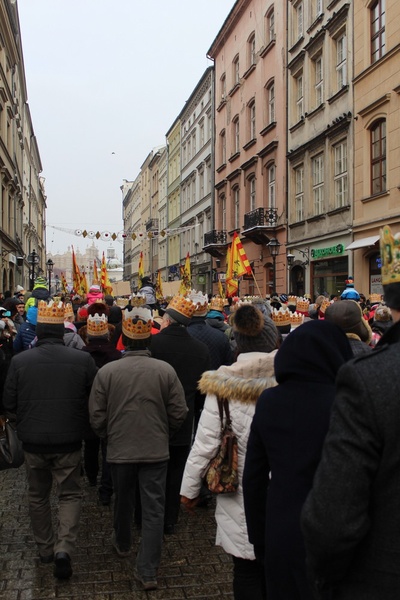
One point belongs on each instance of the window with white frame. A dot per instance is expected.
(201, 132)
(194, 145)
(318, 183)
(318, 8)
(189, 149)
(236, 135)
(299, 193)
(252, 119)
(341, 61)
(271, 103)
(193, 191)
(270, 25)
(201, 183)
(252, 194)
(299, 82)
(319, 80)
(299, 25)
(340, 174)
(252, 49)
(222, 141)
(236, 75)
(223, 212)
(236, 206)
(271, 186)
(223, 87)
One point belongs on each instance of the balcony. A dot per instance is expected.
(259, 224)
(152, 225)
(215, 243)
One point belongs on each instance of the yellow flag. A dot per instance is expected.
(186, 277)
(140, 270)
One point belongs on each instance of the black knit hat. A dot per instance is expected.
(252, 331)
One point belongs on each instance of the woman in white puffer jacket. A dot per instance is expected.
(241, 384)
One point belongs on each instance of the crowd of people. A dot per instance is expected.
(127, 392)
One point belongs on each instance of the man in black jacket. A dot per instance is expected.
(190, 358)
(48, 388)
(350, 519)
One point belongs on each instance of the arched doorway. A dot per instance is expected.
(297, 286)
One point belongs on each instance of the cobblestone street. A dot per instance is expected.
(191, 566)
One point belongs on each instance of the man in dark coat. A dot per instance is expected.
(350, 520)
(190, 358)
(48, 389)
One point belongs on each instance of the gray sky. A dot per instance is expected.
(105, 80)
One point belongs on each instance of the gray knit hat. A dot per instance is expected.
(252, 331)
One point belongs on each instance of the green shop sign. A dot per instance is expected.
(325, 252)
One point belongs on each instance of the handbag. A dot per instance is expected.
(11, 452)
(221, 475)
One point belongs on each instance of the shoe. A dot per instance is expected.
(148, 583)
(62, 565)
(121, 553)
(169, 529)
(46, 560)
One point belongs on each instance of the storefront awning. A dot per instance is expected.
(363, 242)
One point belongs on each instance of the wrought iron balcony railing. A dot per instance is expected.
(152, 224)
(261, 217)
(215, 237)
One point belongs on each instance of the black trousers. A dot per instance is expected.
(176, 465)
(248, 579)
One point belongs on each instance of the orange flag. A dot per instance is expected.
(64, 287)
(159, 290)
(104, 281)
(231, 282)
(240, 263)
(76, 274)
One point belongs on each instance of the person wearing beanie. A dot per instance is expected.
(350, 293)
(241, 384)
(40, 292)
(350, 519)
(284, 448)
(94, 294)
(348, 315)
(47, 388)
(27, 331)
(147, 289)
(380, 323)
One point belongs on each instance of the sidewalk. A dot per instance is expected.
(191, 566)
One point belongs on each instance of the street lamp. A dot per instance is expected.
(33, 260)
(274, 246)
(50, 266)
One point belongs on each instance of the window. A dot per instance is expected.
(299, 96)
(236, 206)
(340, 177)
(222, 139)
(299, 193)
(223, 211)
(252, 49)
(189, 150)
(236, 137)
(252, 119)
(271, 103)
(270, 26)
(252, 194)
(201, 128)
(223, 87)
(236, 76)
(318, 184)
(341, 61)
(378, 157)
(378, 36)
(299, 21)
(271, 186)
(319, 81)
(194, 149)
(201, 179)
(318, 8)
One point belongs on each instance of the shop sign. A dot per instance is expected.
(201, 279)
(325, 252)
(222, 276)
(376, 284)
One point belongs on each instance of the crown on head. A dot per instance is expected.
(97, 324)
(292, 300)
(138, 300)
(302, 305)
(68, 310)
(375, 298)
(296, 319)
(281, 317)
(182, 307)
(136, 323)
(390, 256)
(200, 300)
(50, 312)
(217, 303)
(324, 305)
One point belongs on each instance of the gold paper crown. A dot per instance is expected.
(68, 311)
(217, 303)
(324, 305)
(52, 312)
(296, 319)
(390, 256)
(302, 305)
(375, 298)
(184, 306)
(136, 323)
(281, 317)
(138, 300)
(200, 300)
(122, 302)
(97, 325)
(292, 300)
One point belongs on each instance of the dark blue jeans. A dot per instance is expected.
(150, 479)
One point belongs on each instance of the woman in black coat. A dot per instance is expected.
(284, 449)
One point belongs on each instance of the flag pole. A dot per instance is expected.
(255, 281)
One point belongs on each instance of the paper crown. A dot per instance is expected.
(281, 317)
(122, 302)
(296, 319)
(51, 312)
(324, 305)
(201, 302)
(292, 300)
(302, 305)
(375, 298)
(181, 309)
(136, 323)
(390, 256)
(68, 311)
(97, 325)
(138, 300)
(217, 303)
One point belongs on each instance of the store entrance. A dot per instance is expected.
(329, 276)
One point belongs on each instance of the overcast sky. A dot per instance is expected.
(105, 80)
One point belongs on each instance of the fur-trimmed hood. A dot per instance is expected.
(244, 381)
